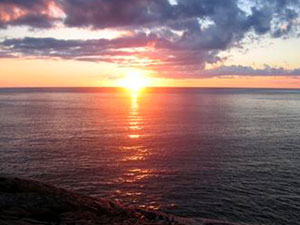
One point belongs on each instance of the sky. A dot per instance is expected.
(196, 43)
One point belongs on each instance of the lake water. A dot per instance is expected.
(229, 154)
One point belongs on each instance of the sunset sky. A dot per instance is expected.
(199, 43)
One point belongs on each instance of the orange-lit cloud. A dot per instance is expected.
(182, 39)
(30, 13)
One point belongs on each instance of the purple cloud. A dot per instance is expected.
(34, 13)
(184, 63)
(181, 37)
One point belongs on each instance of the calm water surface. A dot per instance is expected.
(231, 154)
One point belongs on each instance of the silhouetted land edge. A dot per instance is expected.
(29, 202)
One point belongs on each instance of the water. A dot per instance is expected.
(230, 154)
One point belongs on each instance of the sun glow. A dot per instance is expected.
(134, 81)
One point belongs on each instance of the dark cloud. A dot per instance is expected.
(228, 16)
(185, 64)
(148, 13)
(183, 37)
(116, 13)
(146, 50)
(33, 13)
(94, 50)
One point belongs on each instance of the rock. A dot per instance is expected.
(28, 202)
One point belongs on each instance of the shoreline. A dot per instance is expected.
(30, 202)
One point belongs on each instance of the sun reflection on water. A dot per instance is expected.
(134, 150)
(134, 160)
(135, 120)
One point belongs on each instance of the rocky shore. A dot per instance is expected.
(28, 202)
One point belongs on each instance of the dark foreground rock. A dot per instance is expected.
(27, 202)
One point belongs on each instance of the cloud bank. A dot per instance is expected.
(178, 39)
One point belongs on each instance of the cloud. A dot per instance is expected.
(139, 50)
(116, 13)
(34, 13)
(249, 71)
(135, 14)
(128, 51)
(178, 38)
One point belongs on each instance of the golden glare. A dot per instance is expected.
(134, 81)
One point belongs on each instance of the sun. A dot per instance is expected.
(134, 81)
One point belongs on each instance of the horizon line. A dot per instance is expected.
(148, 87)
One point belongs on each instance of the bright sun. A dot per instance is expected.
(134, 81)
